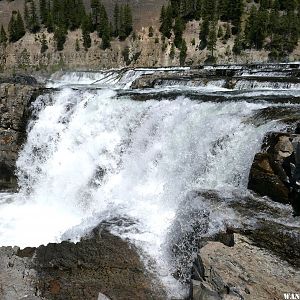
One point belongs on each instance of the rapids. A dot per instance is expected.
(94, 154)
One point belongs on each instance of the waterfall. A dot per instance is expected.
(122, 78)
(93, 155)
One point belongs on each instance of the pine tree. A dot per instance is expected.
(127, 20)
(16, 29)
(60, 37)
(105, 40)
(26, 15)
(276, 5)
(172, 52)
(198, 8)
(77, 46)
(166, 21)
(33, 25)
(183, 53)
(95, 8)
(49, 23)
(3, 36)
(151, 31)
(237, 47)
(178, 31)
(103, 22)
(44, 44)
(43, 11)
(227, 35)
(104, 29)
(208, 9)
(86, 27)
(176, 8)
(236, 13)
(250, 26)
(220, 32)
(212, 38)
(162, 18)
(116, 20)
(122, 33)
(20, 26)
(204, 34)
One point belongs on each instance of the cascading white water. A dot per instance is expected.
(122, 78)
(91, 156)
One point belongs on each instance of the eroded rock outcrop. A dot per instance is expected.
(273, 172)
(16, 95)
(101, 265)
(243, 271)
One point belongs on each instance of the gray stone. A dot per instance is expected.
(15, 101)
(244, 271)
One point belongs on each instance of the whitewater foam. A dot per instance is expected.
(92, 156)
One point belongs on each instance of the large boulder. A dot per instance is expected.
(15, 100)
(264, 180)
(273, 170)
(101, 265)
(243, 271)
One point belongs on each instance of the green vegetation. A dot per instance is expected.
(61, 16)
(44, 44)
(16, 28)
(183, 53)
(30, 16)
(273, 25)
(3, 36)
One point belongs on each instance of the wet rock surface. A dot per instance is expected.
(268, 225)
(274, 170)
(16, 95)
(240, 77)
(101, 265)
(243, 271)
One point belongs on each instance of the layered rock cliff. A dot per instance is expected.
(16, 95)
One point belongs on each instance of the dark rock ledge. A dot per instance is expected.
(100, 266)
(243, 271)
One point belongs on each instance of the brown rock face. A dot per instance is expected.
(101, 264)
(273, 169)
(15, 100)
(265, 181)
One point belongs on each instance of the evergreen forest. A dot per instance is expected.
(61, 16)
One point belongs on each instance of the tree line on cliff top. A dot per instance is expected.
(273, 25)
(61, 16)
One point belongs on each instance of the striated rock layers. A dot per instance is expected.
(101, 265)
(16, 95)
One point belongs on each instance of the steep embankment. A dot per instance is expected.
(16, 95)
